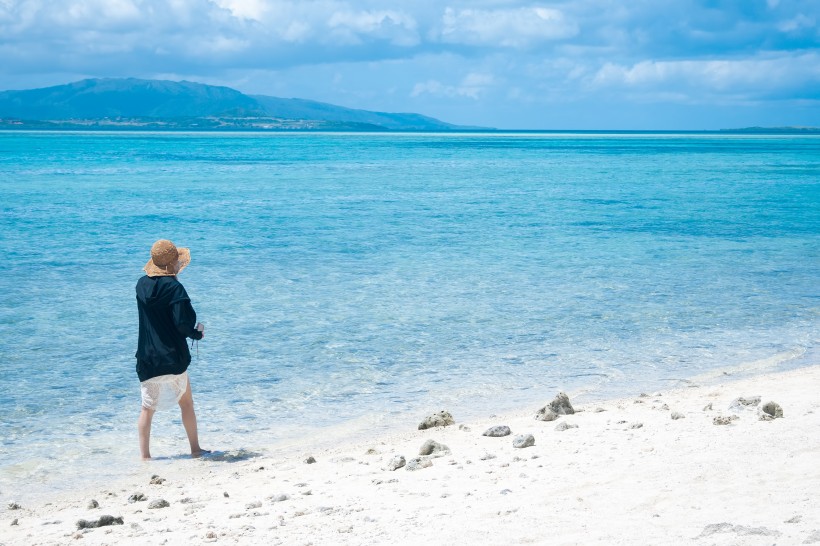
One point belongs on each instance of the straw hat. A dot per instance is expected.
(167, 260)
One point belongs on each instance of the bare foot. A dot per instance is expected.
(200, 453)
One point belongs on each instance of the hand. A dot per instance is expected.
(201, 328)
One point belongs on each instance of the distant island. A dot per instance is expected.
(135, 104)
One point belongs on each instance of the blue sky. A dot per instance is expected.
(581, 64)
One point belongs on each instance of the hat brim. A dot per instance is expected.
(152, 270)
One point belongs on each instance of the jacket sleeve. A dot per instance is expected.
(185, 319)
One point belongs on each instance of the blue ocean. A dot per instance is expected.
(357, 282)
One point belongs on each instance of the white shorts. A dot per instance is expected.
(164, 391)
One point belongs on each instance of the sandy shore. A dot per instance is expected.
(629, 473)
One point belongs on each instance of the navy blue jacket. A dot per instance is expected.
(167, 319)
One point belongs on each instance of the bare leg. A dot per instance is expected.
(144, 427)
(186, 405)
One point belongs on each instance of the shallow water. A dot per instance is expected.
(370, 278)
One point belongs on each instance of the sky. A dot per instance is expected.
(507, 64)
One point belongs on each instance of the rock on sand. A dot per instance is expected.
(524, 440)
(440, 419)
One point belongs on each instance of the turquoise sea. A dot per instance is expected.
(365, 280)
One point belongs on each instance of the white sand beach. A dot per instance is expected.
(629, 473)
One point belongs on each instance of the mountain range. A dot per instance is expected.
(156, 104)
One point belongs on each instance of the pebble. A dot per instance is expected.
(487, 457)
(744, 402)
(225, 494)
(14, 506)
(137, 497)
(677, 415)
(465, 428)
(418, 463)
(310, 460)
(93, 504)
(281, 497)
(559, 406)
(497, 431)
(396, 462)
(102, 521)
(723, 420)
(440, 419)
(156, 480)
(524, 440)
(14, 521)
(434, 449)
(564, 426)
(159, 503)
(636, 425)
(707, 407)
(773, 409)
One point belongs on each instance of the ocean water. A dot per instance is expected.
(357, 282)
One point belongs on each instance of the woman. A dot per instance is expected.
(166, 321)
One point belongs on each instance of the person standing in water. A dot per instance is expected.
(166, 321)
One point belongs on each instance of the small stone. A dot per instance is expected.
(434, 449)
(310, 460)
(396, 462)
(813, 538)
(137, 497)
(559, 406)
(465, 428)
(210, 535)
(156, 480)
(14, 506)
(225, 494)
(497, 431)
(707, 407)
(372, 451)
(643, 395)
(158, 503)
(677, 415)
(546, 414)
(524, 440)
(487, 457)
(418, 463)
(742, 403)
(636, 426)
(440, 419)
(562, 426)
(506, 491)
(724, 420)
(14, 521)
(795, 519)
(665, 407)
(102, 521)
(252, 505)
(599, 410)
(281, 497)
(773, 409)
(93, 504)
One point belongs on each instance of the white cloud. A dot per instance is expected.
(756, 77)
(245, 9)
(796, 23)
(394, 26)
(472, 86)
(519, 27)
